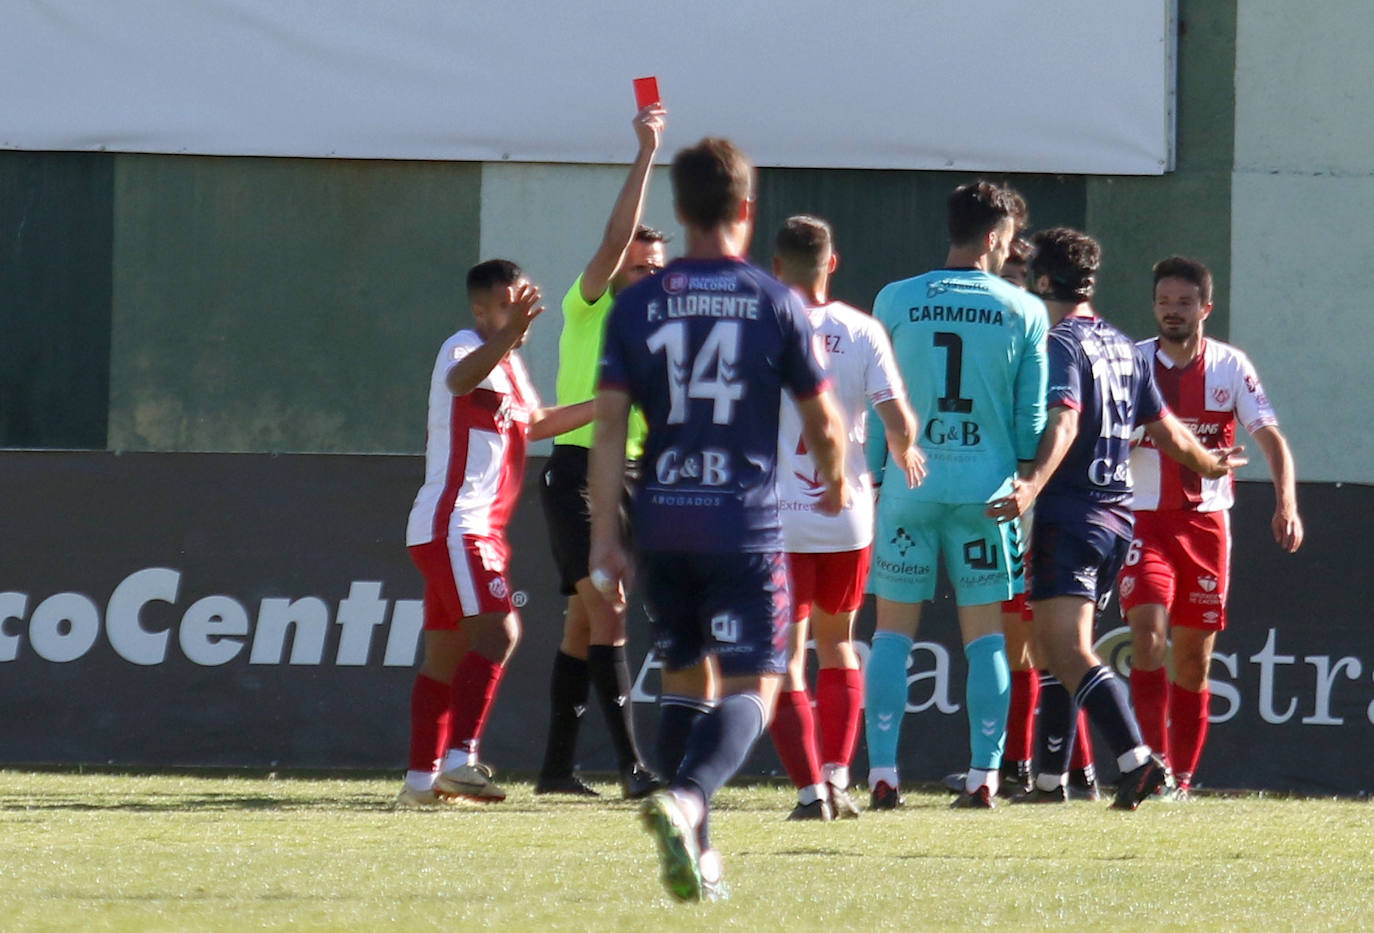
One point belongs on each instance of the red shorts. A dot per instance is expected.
(1182, 561)
(1018, 605)
(834, 581)
(463, 578)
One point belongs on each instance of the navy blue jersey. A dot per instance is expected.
(1098, 371)
(705, 348)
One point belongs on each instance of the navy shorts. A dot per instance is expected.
(735, 606)
(1075, 560)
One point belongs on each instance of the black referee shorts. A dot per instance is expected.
(567, 512)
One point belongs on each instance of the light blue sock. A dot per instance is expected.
(885, 697)
(987, 695)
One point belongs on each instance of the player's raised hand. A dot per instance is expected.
(649, 124)
(525, 307)
(1288, 531)
(1227, 459)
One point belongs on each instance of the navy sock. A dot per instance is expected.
(720, 743)
(1104, 697)
(567, 703)
(1055, 726)
(677, 716)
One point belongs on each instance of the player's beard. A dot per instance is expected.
(1180, 332)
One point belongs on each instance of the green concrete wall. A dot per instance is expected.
(55, 228)
(283, 304)
(1140, 220)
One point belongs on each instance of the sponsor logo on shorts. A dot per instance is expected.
(1207, 584)
(902, 541)
(725, 627)
(1127, 586)
(1212, 617)
(497, 587)
(975, 580)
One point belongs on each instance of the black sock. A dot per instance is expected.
(1104, 696)
(610, 675)
(1055, 726)
(720, 743)
(677, 715)
(567, 703)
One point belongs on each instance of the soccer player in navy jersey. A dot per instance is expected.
(1100, 389)
(706, 348)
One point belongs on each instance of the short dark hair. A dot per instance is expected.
(1020, 250)
(803, 240)
(1190, 270)
(485, 276)
(710, 182)
(647, 234)
(1070, 258)
(977, 207)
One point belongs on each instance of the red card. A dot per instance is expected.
(646, 92)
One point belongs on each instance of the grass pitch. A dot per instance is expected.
(173, 852)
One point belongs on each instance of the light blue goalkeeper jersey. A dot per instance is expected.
(971, 348)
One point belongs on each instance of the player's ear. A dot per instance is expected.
(1207, 310)
(834, 264)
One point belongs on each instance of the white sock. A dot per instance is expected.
(691, 807)
(420, 780)
(1133, 759)
(811, 793)
(837, 775)
(977, 777)
(886, 775)
(457, 758)
(1051, 782)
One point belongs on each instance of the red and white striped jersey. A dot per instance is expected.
(856, 354)
(474, 450)
(1210, 394)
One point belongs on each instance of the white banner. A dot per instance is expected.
(1074, 86)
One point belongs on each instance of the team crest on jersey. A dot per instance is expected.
(675, 283)
(1127, 586)
(1221, 394)
(497, 587)
(1207, 584)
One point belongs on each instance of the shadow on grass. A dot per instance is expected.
(181, 803)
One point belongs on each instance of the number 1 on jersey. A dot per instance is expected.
(951, 401)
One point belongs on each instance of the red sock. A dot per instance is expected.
(474, 689)
(794, 736)
(1150, 697)
(429, 723)
(839, 709)
(1025, 695)
(1082, 744)
(1188, 731)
